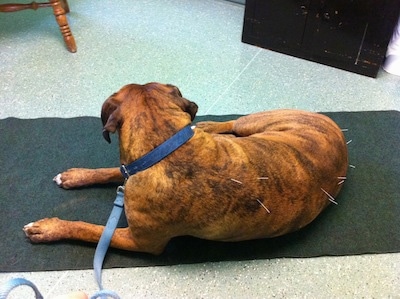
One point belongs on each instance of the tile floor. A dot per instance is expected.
(195, 45)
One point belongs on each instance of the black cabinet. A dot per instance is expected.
(348, 34)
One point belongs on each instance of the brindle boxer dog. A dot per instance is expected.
(260, 176)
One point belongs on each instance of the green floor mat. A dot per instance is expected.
(366, 220)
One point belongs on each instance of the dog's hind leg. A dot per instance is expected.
(80, 177)
(55, 229)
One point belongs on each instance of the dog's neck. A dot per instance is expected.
(159, 153)
(143, 135)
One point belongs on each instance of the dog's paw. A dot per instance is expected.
(73, 178)
(45, 230)
(57, 180)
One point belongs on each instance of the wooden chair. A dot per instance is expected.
(60, 9)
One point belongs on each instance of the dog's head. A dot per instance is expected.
(134, 101)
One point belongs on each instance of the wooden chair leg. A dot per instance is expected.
(60, 8)
(65, 5)
(59, 12)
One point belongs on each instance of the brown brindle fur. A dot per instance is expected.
(213, 186)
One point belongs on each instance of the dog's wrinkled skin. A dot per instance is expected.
(263, 175)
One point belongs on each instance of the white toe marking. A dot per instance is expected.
(28, 225)
(57, 179)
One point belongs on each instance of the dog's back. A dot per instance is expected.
(274, 177)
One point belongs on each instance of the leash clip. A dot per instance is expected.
(121, 189)
(119, 200)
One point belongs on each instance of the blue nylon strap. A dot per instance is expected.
(105, 294)
(107, 234)
(16, 282)
(159, 153)
(10, 285)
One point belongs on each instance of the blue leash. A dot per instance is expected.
(6, 289)
(107, 234)
(16, 282)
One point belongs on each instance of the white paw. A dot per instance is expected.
(57, 179)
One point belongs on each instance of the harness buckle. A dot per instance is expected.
(124, 171)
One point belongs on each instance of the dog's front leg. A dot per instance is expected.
(55, 229)
(79, 177)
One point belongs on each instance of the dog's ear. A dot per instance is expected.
(174, 90)
(111, 117)
(113, 123)
(190, 107)
(185, 104)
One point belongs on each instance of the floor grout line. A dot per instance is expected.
(233, 81)
(54, 287)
